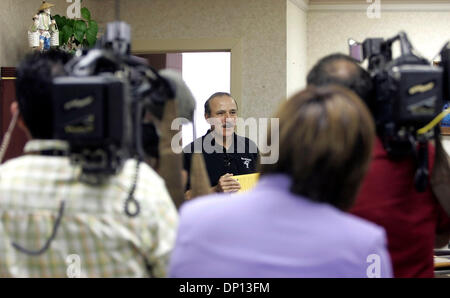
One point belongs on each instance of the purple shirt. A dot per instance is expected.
(270, 232)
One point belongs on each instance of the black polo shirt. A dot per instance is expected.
(241, 158)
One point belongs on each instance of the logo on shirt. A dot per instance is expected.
(246, 161)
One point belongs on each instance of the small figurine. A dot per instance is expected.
(43, 30)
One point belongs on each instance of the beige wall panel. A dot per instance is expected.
(260, 25)
(16, 18)
(328, 31)
(296, 48)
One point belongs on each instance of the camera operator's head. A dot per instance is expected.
(326, 136)
(345, 71)
(33, 89)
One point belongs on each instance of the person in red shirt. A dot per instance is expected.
(414, 221)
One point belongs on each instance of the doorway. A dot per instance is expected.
(204, 73)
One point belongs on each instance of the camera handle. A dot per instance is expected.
(405, 45)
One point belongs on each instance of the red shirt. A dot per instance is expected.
(411, 219)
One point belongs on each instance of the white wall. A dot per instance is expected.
(296, 61)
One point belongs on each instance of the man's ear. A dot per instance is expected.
(14, 108)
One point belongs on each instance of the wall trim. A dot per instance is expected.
(384, 7)
(302, 4)
(155, 46)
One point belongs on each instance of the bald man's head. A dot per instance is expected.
(343, 70)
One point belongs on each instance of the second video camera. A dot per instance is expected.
(408, 93)
(100, 106)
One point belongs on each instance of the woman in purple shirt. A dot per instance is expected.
(293, 223)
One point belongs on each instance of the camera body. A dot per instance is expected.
(93, 114)
(99, 107)
(408, 93)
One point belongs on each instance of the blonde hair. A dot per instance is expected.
(326, 136)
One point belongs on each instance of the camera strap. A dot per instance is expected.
(132, 207)
(48, 241)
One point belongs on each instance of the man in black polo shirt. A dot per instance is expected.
(225, 153)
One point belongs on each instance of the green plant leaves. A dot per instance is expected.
(65, 33)
(79, 30)
(71, 22)
(86, 14)
(60, 21)
(83, 30)
(91, 33)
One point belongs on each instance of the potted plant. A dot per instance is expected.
(77, 33)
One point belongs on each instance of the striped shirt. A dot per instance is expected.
(95, 238)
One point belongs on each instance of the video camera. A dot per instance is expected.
(408, 93)
(99, 107)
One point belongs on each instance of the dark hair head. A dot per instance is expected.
(217, 94)
(33, 89)
(325, 143)
(343, 70)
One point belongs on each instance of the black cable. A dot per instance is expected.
(131, 199)
(49, 240)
